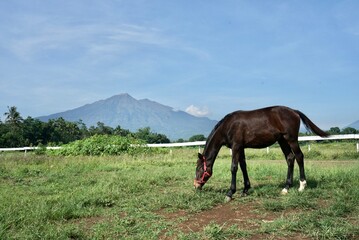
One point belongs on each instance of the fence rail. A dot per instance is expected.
(24, 149)
(301, 138)
(202, 143)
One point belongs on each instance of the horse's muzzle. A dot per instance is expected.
(197, 185)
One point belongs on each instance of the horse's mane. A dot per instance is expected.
(210, 136)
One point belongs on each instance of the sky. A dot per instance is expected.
(205, 57)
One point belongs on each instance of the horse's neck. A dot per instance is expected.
(213, 145)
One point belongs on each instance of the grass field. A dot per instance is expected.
(151, 197)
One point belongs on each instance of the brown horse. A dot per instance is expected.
(255, 129)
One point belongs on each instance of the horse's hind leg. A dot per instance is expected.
(243, 166)
(300, 160)
(289, 157)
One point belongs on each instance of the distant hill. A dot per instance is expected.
(133, 114)
(355, 125)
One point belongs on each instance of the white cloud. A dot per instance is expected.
(196, 111)
(89, 38)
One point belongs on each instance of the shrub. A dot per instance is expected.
(101, 145)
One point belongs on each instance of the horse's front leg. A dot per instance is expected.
(238, 156)
(233, 187)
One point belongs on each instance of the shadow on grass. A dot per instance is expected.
(261, 189)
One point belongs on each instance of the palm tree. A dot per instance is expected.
(13, 116)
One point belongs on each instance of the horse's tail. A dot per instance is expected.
(311, 126)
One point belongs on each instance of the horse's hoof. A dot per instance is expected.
(284, 191)
(244, 194)
(227, 199)
(302, 185)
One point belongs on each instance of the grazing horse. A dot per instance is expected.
(255, 129)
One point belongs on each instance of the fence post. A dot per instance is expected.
(309, 148)
(357, 147)
(267, 150)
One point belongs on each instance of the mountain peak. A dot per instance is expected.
(121, 96)
(125, 111)
(125, 95)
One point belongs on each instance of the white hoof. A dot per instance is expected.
(227, 199)
(302, 185)
(284, 191)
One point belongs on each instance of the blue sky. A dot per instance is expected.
(206, 57)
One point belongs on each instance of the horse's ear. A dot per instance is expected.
(200, 156)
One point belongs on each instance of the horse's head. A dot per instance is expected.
(203, 173)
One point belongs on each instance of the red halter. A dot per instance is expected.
(205, 173)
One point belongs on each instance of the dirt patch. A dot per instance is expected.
(248, 216)
(87, 223)
(172, 215)
(244, 215)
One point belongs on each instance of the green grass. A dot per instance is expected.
(132, 197)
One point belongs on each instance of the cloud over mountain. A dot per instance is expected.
(196, 111)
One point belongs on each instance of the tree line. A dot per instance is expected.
(18, 132)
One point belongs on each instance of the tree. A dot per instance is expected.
(121, 132)
(61, 131)
(17, 132)
(101, 129)
(349, 130)
(13, 117)
(83, 129)
(12, 135)
(33, 131)
(150, 137)
(334, 130)
(160, 138)
(198, 137)
(3, 131)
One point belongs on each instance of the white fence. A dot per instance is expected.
(301, 138)
(24, 149)
(202, 143)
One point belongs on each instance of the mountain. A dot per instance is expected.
(355, 125)
(133, 114)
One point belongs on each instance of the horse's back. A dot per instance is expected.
(262, 127)
(272, 114)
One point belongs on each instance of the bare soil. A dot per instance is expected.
(246, 215)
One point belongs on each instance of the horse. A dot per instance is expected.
(255, 129)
